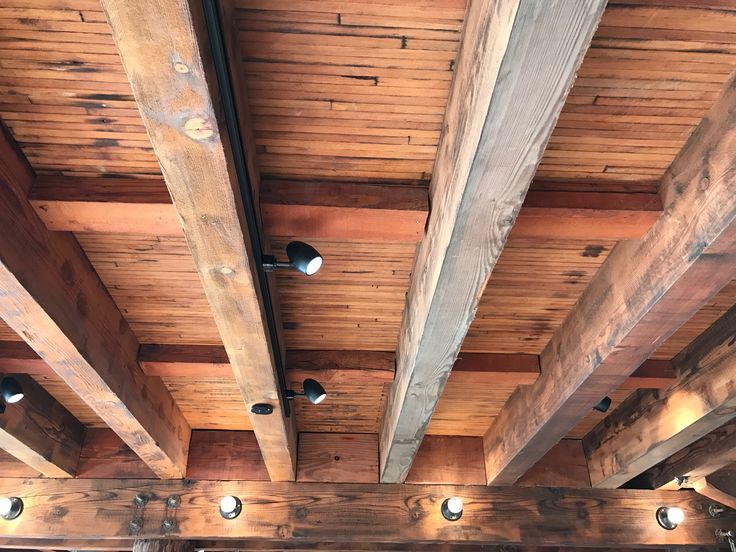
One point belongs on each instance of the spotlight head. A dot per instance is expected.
(670, 518)
(12, 392)
(604, 405)
(452, 508)
(314, 391)
(230, 507)
(304, 257)
(10, 507)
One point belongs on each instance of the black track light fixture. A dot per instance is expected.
(312, 390)
(604, 405)
(11, 392)
(302, 256)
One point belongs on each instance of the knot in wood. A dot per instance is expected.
(199, 129)
(180, 67)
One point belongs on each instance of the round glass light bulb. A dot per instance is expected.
(314, 265)
(6, 505)
(228, 504)
(676, 515)
(455, 505)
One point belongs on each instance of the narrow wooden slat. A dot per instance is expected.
(643, 293)
(52, 297)
(338, 458)
(651, 426)
(495, 131)
(173, 80)
(40, 432)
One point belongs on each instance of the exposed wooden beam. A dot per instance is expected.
(198, 361)
(40, 432)
(162, 545)
(332, 210)
(52, 298)
(644, 291)
(508, 89)
(361, 513)
(705, 456)
(709, 490)
(173, 80)
(651, 426)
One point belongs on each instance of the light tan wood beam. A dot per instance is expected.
(709, 490)
(165, 51)
(644, 291)
(52, 297)
(508, 89)
(40, 432)
(649, 426)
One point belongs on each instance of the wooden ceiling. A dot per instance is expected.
(353, 91)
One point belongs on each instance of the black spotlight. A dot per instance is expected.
(604, 405)
(11, 391)
(302, 256)
(312, 390)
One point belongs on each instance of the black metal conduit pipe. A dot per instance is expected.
(219, 55)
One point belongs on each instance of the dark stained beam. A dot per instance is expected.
(516, 63)
(51, 296)
(40, 432)
(346, 513)
(650, 426)
(171, 72)
(644, 291)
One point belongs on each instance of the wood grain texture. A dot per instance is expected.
(341, 513)
(187, 132)
(40, 432)
(162, 545)
(651, 426)
(645, 290)
(709, 490)
(225, 455)
(471, 219)
(563, 466)
(449, 460)
(338, 458)
(105, 456)
(53, 298)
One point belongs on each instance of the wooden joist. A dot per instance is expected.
(52, 297)
(40, 432)
(643, 293)
(172, 76)
(509, 87)
(301, 512)
(332, 210)
(651, 426)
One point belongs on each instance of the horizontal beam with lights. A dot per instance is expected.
(362, 513)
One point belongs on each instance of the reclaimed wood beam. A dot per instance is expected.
(508, 89)
(644, 291)
(650, 426)
(345, 513)
(171, 72)
(708, 489)
(51, 296)
(40, 432)
(332, 210)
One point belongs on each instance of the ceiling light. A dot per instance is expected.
(230, 507)
(452, 508)
(312, 390)
(12, 392)
(604, 405)
(10, 507)
(670, 518)
(302, 256)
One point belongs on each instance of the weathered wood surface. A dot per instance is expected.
(650, 426)
(174, 84)
(706, 488)
(509, 87)
(40, 432)
(643, 293)
(162, 545)
(443, 459)
(338, 458)
(52, 297)
(362, 513)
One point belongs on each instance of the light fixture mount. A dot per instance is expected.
(230, 507)
(10, 507)
(313, 390)
(452, 508)
(669, 518)
(302, 256)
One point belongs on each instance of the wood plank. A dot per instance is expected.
(192, 145)
(105, 456)
(225, 455)
(651, 426)
(53, 298)
(444, 291)
(338, 458)
(709, 490)
(365, 513)
(452, 460)
(563, 466)
(645, 290)
(40, 432)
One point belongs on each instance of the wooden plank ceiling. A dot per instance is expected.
(355, 91)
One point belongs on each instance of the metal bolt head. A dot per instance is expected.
(715, 510)
(135, 525)
(168, 525)
(141, 500)
(174, 501)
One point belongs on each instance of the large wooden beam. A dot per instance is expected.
(40, 432)
(644, 291)
(344, 513)
(52, 297)
(651, 426)
(516, 64)
(332, 210)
